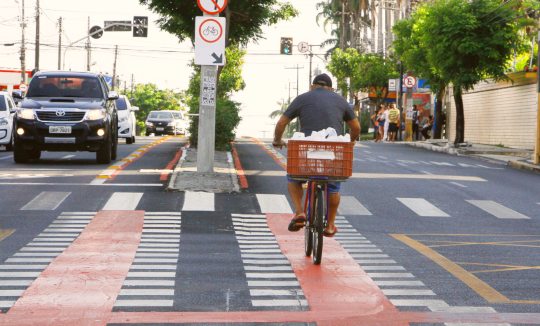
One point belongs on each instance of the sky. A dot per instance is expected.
(160, 58)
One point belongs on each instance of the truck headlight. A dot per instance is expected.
(171, 124)
(27, 114)
(95, 114)
(3, 122)
(149, 124)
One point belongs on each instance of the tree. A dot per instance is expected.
(227, 111)
(410, 49)
(373, 73)
(344, 65)
(149, 97)
(469, 41)
(244, 17)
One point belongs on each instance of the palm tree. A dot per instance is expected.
(291, 127)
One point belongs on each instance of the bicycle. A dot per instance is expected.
(318, 163)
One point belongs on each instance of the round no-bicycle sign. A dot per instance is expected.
(212, 7)
(210, 30)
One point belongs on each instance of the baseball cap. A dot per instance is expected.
(322, 80)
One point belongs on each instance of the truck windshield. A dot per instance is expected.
(160, 115)
(60, 86)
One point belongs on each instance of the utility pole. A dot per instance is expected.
(114, 67)
(342, 38)
(36, 62)
(59, 43)
(132, 86)
(88, 48)
(23, 47)
(297, 76)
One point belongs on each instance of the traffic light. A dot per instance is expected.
(140, 26)
(286, 45)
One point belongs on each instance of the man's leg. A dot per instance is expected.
(332, 211)
(296, 191)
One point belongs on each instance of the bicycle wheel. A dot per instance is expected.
(318, 225)
(308, 240)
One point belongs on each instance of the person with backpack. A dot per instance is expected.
(415, 123)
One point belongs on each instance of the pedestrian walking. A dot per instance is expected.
(426, 127)
(386, 123)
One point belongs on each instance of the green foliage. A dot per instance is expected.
(373, 73)
(244, 17)
(148, 98)
(344, 65)
(230, 81)
(227, 119)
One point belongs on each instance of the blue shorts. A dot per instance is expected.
(333, 187)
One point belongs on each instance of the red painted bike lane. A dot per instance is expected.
(81, 285)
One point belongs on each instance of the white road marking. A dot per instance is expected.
(6, 303)
(398, 283)
(273, 283)
(143, 303)
(270, 275)
(273, 203)
(15, 282)
(80, 184)
(68, 157)
(442, 163)
(147, 292)
(458, 184)
(431, 304)
(46, 200)
(148, 283)
(278, 303)
(349, 205)
(383, 268)
(390, 275)
(422, 207)
(126, 201)
(6, 157)
(275, 292)
(497, 209)
(407, 292)
(198, 201)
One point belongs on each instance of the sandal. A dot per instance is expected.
(330, 234)
(297, 223)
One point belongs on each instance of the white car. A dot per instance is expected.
(7, 111)
(126, 119)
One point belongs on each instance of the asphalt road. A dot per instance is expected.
(435, 233)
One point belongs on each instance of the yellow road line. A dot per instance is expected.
(476, 284)
(4, 233)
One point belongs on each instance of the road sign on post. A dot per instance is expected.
(209, 53)
(212, 7)
(210, 40)
(140, 26)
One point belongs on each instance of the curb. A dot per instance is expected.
(177, 168)
(515, 164)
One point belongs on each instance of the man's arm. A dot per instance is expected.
(278, 132)
(354, 126)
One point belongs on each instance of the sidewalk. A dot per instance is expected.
(512, 157)
(186, 178)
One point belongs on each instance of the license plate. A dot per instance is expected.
(160, 129)
(60, 129)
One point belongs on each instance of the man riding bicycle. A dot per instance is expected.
(317, 109)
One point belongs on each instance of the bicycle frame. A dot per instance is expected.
(315, 205)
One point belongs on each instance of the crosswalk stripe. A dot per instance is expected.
(407, 292)
(497, 209)
(422, 207)
(278, 303)
(273, 204)
(198, 201)
(349, 205)
(123, 201)
(46, 200)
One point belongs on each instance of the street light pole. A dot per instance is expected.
(536, 159)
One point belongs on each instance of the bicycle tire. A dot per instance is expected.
(318, 225)
(308, 240)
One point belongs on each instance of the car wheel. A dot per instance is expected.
(104, 154)
(114, 149)
(9, 146)
(20, 155)
(147, 134)
(35, 154)
(133, 139)
(129, 140)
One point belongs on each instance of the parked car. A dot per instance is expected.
(181, 122)
(165, 122)
(66, 111)
(7, 111)
(126, 119)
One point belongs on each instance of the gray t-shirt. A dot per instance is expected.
(319, 109)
